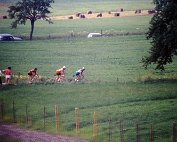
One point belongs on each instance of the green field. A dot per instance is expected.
(65, 7)
(66, 28)
(116, 87)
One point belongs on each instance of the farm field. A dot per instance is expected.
(114, 76)
(67, 7)
(80, 28)
(116, 86)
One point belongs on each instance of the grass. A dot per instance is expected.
(99, 55)
(117, 86)
(131, 102)
(66, 28)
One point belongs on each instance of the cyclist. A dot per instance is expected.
(79, 74)
(60, 74)
(32, 74)
(8, 75)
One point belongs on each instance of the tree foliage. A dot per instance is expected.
(30, 10)
(163, 34)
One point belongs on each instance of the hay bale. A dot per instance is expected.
(4, 17)
(82, 16)
(152, 11)
(70, 17)
(117, 14)
(99, 15)
(121, 10)
(89, 12)
(78, 14)
(137, 11)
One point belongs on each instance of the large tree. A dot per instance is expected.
(163, 34)
(30, 10)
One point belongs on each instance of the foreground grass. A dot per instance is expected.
(146, 104)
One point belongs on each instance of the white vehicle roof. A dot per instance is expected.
(94, 35)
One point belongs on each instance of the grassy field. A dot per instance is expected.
(114, 76)
(66, 28)
(116, 85)
(65, 7)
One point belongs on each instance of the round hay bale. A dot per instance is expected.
(89, 12)
(99, 15)
(117, 14)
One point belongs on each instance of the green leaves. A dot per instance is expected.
(163, 33)
(30, 10)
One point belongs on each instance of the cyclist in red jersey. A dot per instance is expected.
(32, 74)
(8, 75)
(60, 73)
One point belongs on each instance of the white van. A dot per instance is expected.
(94, 35)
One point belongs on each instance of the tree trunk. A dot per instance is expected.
(32, 29)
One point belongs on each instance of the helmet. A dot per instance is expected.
(83, 68)
(64, 67)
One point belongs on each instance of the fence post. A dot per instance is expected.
(110, 129)
(137, 133)
(94, 125)
(57, 119)
(14, 113)
(151, 134)
(174, 132)
(121, 131)
(77, 120)
(44, 118)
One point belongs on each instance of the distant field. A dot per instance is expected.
(65, 7)
(65, 28)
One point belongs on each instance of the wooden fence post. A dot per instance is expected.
(151, 134)
(94, 125)
(137, 133)
(121, 131)
(14, 112)
(110, 129)
(77, 120)
(57, 119)
(174, 132)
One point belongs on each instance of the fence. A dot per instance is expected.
(51, 119)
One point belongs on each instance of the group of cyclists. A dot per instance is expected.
(33, 75)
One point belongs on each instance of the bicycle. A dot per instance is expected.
(56, 79)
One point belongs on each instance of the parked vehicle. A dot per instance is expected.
(9, 37)
(94, 35)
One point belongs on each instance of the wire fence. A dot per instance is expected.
(73, 123)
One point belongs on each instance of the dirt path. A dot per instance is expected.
(32, 136)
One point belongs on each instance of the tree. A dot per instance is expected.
(163, 34)
(30, 10)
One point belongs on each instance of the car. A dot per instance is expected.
(9, 37)
(94, 35)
